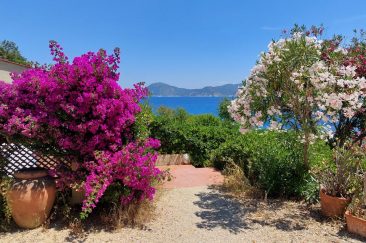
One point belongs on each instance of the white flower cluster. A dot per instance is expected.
(323, 89)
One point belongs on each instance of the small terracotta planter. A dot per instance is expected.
(355, 225)
(77, 196)
(333, 206)
(31, 197)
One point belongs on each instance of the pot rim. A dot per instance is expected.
(349, 214)
(323, 192)
(30, 173)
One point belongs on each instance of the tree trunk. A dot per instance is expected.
(306, 151)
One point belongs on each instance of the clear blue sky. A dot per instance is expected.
(187, 43)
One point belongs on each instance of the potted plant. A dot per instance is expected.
(338, 178)
(356, 212)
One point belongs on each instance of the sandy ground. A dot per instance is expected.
(204, 214)
(192, 208)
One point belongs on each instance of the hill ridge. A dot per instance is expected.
(166, 90)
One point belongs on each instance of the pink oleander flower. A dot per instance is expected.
(282, 85)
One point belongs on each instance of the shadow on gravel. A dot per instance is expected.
(345, 234)
(219, 210)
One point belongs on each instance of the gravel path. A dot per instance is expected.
(204, 214)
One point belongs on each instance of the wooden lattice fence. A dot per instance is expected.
(15, 156)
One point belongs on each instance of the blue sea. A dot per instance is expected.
(193, 105)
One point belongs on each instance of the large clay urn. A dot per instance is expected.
(31, 197)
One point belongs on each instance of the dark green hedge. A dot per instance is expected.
(272, 161)
(197, 135)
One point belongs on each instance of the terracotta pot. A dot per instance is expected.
(333, 206)
(31, 197)
(355, 225)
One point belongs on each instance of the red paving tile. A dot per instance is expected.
(189, 176)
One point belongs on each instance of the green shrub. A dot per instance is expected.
(112, 195)
(197, 140)
(272, 161)
(197, 135)
(309, 191)
(203, 140)
(141, 127)
(223, 110)
(319, 152)
(277, 164)
(171, 135)
(166, 114)
(204, 120)
(235, 150)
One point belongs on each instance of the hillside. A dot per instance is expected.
(162, 89)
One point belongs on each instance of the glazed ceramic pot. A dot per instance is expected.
(355, 225)
(333, 206)
(31, 197)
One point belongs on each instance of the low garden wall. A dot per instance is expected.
(173, 159)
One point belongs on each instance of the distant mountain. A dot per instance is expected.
(162, 89)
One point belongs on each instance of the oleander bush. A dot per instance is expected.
(309, 85)
(303, 83)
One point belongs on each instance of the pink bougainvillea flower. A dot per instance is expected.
(79, 107)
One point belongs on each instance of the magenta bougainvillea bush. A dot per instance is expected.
(79, 107)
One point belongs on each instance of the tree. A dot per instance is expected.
(293, 87)
(10, 51)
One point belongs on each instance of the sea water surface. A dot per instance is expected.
(193, 105)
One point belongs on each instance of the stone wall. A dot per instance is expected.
(173, 159)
